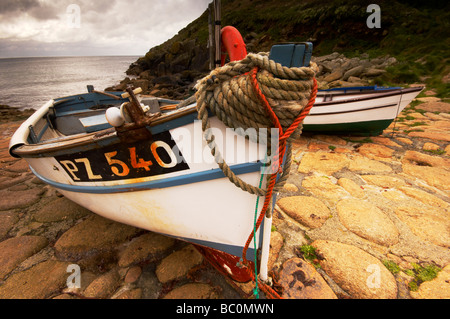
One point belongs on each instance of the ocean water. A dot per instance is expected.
(30, 82)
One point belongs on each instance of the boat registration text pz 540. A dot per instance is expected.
(142, 159)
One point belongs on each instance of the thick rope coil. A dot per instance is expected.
(258, 93)
(230, 94)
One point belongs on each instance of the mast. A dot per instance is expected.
(217, 29)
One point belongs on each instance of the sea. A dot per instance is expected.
(30, 82)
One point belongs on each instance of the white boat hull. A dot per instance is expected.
(170, 183)
(358, 113)
(193, 204)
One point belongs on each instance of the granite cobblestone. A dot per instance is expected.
(350, 208)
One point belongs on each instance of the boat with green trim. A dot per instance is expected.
(363, 111)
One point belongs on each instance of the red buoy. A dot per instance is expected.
(232, 44)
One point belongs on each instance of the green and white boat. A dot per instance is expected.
(357, 110)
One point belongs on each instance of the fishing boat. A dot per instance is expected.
(145, 161)
(163, 179)
(365, 111)
(157, 175)
(362, 110)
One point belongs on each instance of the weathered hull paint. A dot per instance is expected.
(197, 204)
(143, 185)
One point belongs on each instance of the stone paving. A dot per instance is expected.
(358, 218)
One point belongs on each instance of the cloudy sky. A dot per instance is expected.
(91, 27)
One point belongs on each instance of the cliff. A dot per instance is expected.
(415, 33)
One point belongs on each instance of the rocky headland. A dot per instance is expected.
(410, 46)
(176, 78)
(11, 114)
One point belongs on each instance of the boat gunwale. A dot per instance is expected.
(355, 110)
(58, 144)
(82, 139)
(370, 96)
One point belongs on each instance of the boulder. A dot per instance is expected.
(193, 291)
(180, 62)
(15, 250)
(165, 80)
(429, 224)
(175, 47)
(93, 235)
(123, 84)
(300, 280)
(142, 83)
(147, 75)
(367, 221)
(358, 273)
(103, 286)
(307, 210)
(323, 162)
(145, 247)
(178, 264)
(19, 199)
(373, 72)
(435, 106)
(7, 220)
(356, 71)
(134, 69)
(438, 288)
(60, 209)
(41, 281)
(336, 75)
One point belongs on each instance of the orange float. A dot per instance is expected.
(232, 44)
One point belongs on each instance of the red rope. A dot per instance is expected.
(278, 158)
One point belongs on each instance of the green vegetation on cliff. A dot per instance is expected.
(416, 32)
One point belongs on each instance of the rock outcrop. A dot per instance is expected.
(336, 70)
(170, 72)
(173, 73)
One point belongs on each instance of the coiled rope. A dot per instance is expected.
(256, 92)
(229, 92)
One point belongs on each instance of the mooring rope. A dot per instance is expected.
(229, 93)
(257, 92)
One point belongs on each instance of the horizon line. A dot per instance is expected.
(69, 56)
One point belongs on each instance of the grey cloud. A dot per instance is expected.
(106, 26)
(11, 6)
(9, 9)
(44, 13)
